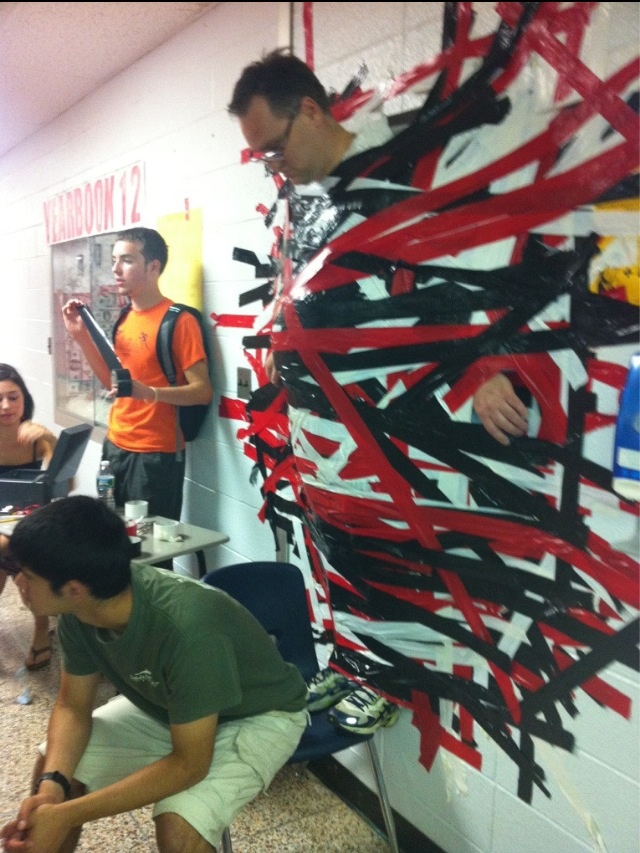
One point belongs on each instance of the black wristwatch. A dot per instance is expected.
(54, 776)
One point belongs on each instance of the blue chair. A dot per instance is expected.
(275, 593)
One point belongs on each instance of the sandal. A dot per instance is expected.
(34, 654)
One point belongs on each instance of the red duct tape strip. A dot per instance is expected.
(429, 727)
(466, 721)
(538, 373)
(558, 132)
(579, 671)
(233, 321)
(250, 452)
(525, 678)
(614, 375)
(464, 751)
(475, 224)
(234, 409)
(601, 692)
(618, 574)
(467, 607)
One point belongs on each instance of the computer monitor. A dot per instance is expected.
(68, 452)
(25, 487)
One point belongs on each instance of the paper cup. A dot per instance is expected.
(136, 509)
(166, 530)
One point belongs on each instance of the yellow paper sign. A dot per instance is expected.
(182, 279)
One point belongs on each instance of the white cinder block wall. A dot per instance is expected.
(169, 111)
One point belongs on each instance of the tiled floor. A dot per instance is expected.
(297, 815)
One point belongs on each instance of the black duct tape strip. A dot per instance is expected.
(479, 701)
(256, 341)
(405, 611)
(120, 377)
(263, 293)
(263, 266)
(609, 649)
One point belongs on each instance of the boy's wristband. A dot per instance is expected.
(54, 776)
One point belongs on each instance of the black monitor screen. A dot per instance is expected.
(68, 452)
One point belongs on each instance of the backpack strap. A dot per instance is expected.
(164, 349)
(164, 341)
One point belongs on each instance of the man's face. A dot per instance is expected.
(130, 270)
(290, 145)
(37, 594)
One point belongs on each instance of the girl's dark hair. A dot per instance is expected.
(75, 538)
(10, 374)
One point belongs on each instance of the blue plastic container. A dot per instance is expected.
(626, 459)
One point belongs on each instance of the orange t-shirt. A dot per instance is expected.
(143, 426)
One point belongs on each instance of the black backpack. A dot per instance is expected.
(190, 418)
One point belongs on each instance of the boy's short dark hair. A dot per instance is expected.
(152, 244)
(282, 80)
(75, 538)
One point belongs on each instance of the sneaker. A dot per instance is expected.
(364, 712)
(326, 688)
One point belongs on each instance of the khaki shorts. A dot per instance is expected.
(248, 754)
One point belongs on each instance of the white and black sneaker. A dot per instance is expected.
(326, 688)
(363, 712)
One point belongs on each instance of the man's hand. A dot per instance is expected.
(501, 412)
(13, 838)
(73, 322)
(38, 828)
(47, 829)
(78, 332)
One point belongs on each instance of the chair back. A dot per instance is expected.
(275, 594)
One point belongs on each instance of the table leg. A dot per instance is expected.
(202, 565)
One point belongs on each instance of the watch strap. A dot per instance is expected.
(55, 776)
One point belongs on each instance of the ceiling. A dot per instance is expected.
(54, 54)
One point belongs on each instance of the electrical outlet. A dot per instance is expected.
(244, 383)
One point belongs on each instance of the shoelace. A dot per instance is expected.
(363, 698)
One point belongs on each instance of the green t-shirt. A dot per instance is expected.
(188, 651)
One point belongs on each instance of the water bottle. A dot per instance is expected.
(24, 696)
(626, 462)
(105, 484)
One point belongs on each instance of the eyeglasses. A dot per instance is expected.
(276, 154)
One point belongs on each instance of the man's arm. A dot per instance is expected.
(501, 411)
(186, 764)
(70, 722)
(188, 354)
(197, 390)
(67, 737)
(77, 330)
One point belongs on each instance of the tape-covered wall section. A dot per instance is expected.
(468, 581)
